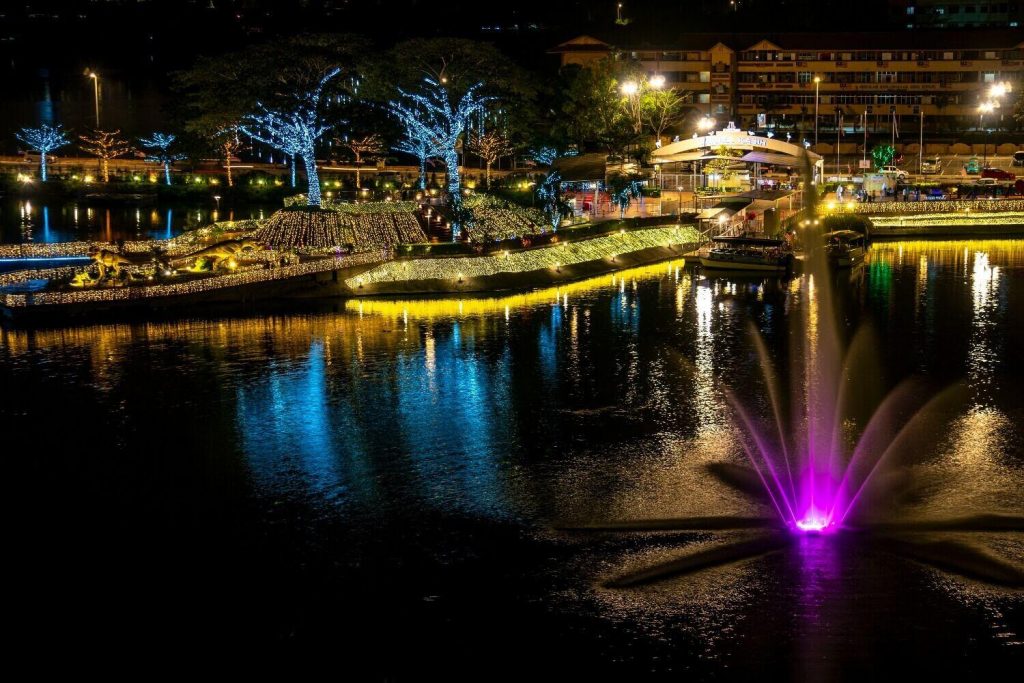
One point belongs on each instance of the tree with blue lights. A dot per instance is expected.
(623, 189)
(552, 200)
(544, 155)
(298, 128)
(159, 145)
(431, 116)
(44, 140)
(419, 147)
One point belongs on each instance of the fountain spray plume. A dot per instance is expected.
(815, 464)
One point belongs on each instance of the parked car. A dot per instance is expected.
(997, 173)
(986, 182)
(900, 174)
(1018, 158)
(931, 166)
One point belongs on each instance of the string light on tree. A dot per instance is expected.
(550, 195)
(160, 145)
(44, 140)
(105, 145)
(431, 116)
(490, 147)
(368, 144)
(300, 128)
(421, 148)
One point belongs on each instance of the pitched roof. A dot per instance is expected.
(668, 39)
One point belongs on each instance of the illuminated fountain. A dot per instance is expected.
(830, 460)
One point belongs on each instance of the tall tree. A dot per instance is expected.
(457, 64)
(217, 93)
(105, 145)
(662, 110)
(593, 114)
(44, 140)
(225, 141)
(301, 126)
(430, 114)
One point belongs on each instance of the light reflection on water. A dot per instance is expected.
(33, 221)
(566, 403)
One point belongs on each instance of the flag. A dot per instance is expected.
(895, 125)
(840, 124)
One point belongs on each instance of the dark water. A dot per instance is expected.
(378, 482)
(32, 221)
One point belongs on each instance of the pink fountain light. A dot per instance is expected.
(819, 460)
(814, 521)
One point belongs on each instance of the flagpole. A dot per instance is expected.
(920, 148)
(839, 131)
(864, 152)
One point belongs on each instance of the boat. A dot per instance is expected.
(748, 253)
(844, 248)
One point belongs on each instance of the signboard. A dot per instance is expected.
(738, 140)
(864, 163)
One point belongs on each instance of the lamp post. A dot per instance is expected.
(994, 93)
(96, 94)
(705, 124)
(985, 108)
(817, 85)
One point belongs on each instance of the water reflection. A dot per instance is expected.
(72, 221)
(557, 404)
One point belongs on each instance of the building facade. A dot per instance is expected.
(872, 80)
(916, 14)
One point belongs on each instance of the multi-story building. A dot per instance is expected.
(957, 13)
(880, 79)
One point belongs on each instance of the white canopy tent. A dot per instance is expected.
(753, 149)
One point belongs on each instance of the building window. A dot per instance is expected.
(910, 10)
(988, 77)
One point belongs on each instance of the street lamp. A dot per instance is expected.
(704, 125)
(630, 88)
(985, 108)
(95, 92)
(817, 85)
(657, 81)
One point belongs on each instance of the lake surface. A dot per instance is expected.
(379, 482)
(68, 221)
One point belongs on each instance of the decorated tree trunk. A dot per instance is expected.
(313, 178)
(451, 160)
